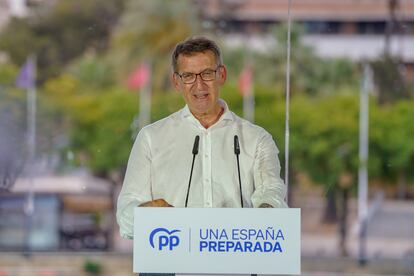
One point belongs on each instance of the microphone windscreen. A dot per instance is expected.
(195, 147)
(236, 145)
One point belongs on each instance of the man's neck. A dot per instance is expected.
(207, 120)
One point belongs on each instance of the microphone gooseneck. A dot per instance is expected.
(237, 153)
(195, 152)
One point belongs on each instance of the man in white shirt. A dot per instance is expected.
(159, 166)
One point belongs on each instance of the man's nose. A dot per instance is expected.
(199, 81)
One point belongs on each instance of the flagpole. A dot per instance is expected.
(31, 115)
(246, 90)
(31, 144)
(145, 101)
(287, 102)
(248, 106)
(363, 162)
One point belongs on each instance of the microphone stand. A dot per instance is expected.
(195, 152)
(237, 153)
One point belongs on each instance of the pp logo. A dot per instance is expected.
(162, 238)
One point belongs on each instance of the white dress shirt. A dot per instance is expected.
(160, 163)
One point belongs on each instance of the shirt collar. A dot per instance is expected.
(227, 114)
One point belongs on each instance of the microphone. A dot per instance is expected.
(195, 147)
(236, 145)
(195, 152)
(237, 152)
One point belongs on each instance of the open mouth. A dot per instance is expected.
(201, 96)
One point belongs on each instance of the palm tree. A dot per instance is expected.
(149, 30)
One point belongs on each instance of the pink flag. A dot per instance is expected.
(139, 77)
(245, 81)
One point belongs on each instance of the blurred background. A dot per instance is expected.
(78, 79)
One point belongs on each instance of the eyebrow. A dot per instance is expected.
(198, 72)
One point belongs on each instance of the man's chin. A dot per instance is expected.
(201, 109)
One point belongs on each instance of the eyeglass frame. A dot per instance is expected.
(199, 74)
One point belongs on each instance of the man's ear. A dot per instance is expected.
(175, 79)
(222, 74)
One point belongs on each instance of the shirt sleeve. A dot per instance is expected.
(136, 188)
(269, 187)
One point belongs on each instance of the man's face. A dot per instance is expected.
(201, 96)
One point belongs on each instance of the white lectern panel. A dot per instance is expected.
(217, 240)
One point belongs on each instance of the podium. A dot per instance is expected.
(216, 240)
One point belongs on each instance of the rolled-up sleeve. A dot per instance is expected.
(269, 187)
(136, 188)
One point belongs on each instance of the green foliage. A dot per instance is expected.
(92, 267)
(109, 142)
(327, 137)
(93, 71)
(231, 95)
(82, 98)
(392, 141)
(234, 59)
(166, 103)
(327, 76)
(389, 80)
(14, 40)
(310, 74)
(324, 133)
(8, 73)
(60, 34)
(149, 30)
(99, 121)
(84, 108)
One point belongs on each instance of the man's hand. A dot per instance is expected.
(156, 203)
(265, 205)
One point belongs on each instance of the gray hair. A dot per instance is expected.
(195, 45)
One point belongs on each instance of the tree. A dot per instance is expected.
(58, 35)
(323, 145)
(392, 144)
(310, 74)
(97, 121)
(389, 80)
(12, 129)
(148, 30)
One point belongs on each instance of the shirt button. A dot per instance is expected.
(206, 180)
(206, 155)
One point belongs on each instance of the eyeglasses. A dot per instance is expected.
(206, 75)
